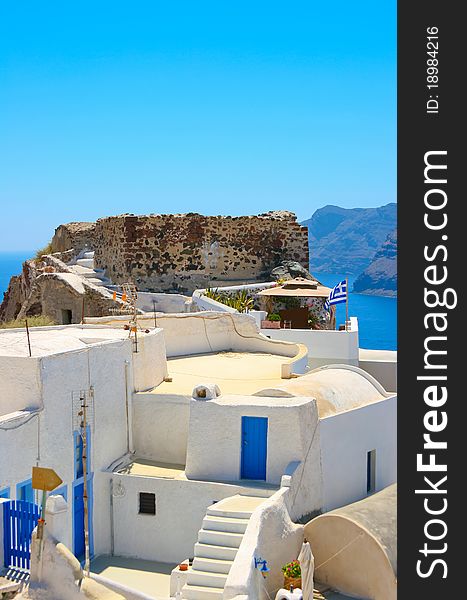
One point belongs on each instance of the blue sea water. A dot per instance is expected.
(377, 315)
(11, 264)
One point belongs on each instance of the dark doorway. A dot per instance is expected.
(67, 316)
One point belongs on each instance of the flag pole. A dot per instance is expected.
(346, 303)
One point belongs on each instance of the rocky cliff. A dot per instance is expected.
(380, 277)
(344, 240)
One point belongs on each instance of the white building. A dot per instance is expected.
(221, 473)
(40, 399)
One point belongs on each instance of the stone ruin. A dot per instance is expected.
(159, 253)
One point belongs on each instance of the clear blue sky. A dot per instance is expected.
(205, 106)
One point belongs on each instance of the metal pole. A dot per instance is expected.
(40, 535)
(85, 487)
(346, 303)
(82, 311)
(29, 340)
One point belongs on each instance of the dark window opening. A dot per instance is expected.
(371, 471)
(147, 503)
(67, 316)
(79, 467)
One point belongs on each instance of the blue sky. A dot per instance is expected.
(182, 106)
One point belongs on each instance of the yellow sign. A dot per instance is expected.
(45, 479)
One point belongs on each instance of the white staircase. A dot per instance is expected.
(218, 542)
(85, 268)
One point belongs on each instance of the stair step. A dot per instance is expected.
(91, 273)
(214, 565)
(220, 538)
(95, 281)
(212, 551)
(199, 592)
(240, 507)
(85, 262)
(227, 524)
(206, 578)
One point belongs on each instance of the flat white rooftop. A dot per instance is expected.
(234, 372)
(54, 340)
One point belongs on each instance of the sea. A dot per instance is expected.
(11, 264)
(377, 315)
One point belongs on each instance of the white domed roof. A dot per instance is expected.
(336, 388)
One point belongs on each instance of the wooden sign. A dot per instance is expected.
(45, 479)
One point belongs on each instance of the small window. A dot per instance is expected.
(147, 503)
(79, 467)
(371, 471)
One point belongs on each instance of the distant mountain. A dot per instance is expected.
(345, 240)
(380, 277)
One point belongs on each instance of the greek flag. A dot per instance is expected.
(338, 295)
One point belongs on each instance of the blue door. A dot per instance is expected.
(78, 521)
(254, 447)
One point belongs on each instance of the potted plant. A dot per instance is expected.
(273, 321)
(292, 575)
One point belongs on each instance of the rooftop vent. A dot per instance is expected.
(206, 391)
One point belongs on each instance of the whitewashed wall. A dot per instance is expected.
(272, 536)
(214, 439)
(160, 427)
(345, 440)
(324, 346)
(20, 384)
(166, 303)
(170, 535)
(150, 362)
(47, 439)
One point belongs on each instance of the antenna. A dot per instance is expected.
(83, 417)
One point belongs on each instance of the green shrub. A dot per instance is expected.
(273, 317)
(45, 250)
(241, 301)
(37, 321)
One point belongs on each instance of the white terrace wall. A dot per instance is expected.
(169, 535)
(205, 332)
(271, 536)
(346, 438)
(149, 362)
(166, 303)
(324, 347)
(213, 332)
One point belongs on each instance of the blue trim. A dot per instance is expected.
(75, 483)
(5, 492)
(79, 481)
(61, 491)
(24, 491)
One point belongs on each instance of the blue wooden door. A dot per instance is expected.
(254, 447)
(78, 521)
